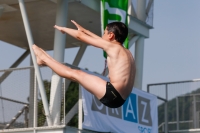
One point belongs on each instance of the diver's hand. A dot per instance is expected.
(78, 26)
(59, 28)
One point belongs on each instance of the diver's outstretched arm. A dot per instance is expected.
(84, 30)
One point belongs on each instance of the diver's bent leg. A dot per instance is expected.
(93, 84)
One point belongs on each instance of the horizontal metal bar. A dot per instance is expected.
(185, 131)
(11, 100)
(174, 122)
(162, 98)
(12, 69)
(163, 83)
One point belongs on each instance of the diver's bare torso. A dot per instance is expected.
(121, 67)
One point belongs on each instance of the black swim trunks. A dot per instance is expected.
(112, 98)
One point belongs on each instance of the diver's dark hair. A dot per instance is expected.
(119, 29)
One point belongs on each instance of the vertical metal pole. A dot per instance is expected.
(139, 46)
(35, 108)
(163, 127)
(80, 107)
(166, 110)
(197, 119)
(38, 73)
(139, 56)
(64, 122)
(102, 28)
(31, 96)
(26, 116)
(59, 48)
(177, 114)
(148, 88)
(194, 112)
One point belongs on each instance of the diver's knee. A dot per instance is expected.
(76, 75)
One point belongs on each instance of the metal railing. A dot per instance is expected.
(178, 107)
(13, 123)
(20, 102)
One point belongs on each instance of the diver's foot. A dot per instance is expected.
(40, 55)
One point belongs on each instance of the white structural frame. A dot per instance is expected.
(56, 81)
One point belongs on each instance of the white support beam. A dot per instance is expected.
(37, 70)
(139, 57)
(35, 108)
(80, 109)
(139, 46)
(59, 49)
(139, 27)
(132, 41)
(31, 96)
